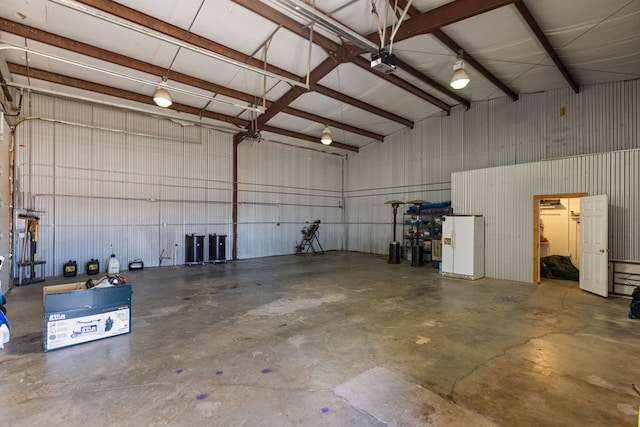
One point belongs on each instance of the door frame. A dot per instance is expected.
(536, 226)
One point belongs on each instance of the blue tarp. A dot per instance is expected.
(430, 206)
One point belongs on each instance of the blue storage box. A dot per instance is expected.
(75, 315)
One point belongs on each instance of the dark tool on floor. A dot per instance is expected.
(634, 306)
(309, 235)
(136, 264)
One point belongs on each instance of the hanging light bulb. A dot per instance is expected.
(326, 136)
(460, 78)
(162, 97)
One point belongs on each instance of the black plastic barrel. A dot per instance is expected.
(193, 249)
(217, 247)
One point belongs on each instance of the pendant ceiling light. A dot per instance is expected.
(326, 136)
(162, 97)
(460, 78)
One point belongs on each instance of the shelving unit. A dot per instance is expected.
(424, 229)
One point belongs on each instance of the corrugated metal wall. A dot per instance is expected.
(102, 176)
(99, 176)
(504, 196)
(5, 203)
(399, 168)
(418, 163)
(280, 190)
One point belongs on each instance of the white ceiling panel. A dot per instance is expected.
(31, 12)
(46, 57)
(233, 26)
(180, 13)
(498, 28)
(583, 14)
(92, 31)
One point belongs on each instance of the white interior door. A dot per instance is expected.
(594, 252)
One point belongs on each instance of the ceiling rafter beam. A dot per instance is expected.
(397, 81)
(48, 76)
(337, 54)
(305, 137)
(468, 59)
(544, 41)
(6, 100)
(135, 64)
(178, 33)
(116, 58)
(455, 47)
(342, 53)
(145, 99)
(362, 105)
(447, 14)
(279, 105)
(351, 54)
(434, 84)
(289, 23)
(318, 73)
(147, 21)
(332, 123)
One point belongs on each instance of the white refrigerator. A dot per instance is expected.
(463, 246)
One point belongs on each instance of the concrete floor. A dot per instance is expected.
(343, 339)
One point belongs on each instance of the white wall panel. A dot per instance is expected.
(405, 167)
(475, 149)
(504, 195)
(278, 184)
(501, 132)
(453, 154)
(100, 177)
(5, 201)
(530, 127)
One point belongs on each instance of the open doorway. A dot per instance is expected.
(556, 228)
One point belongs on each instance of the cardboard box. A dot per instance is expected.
(75, 315)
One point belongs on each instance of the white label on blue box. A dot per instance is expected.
(57, 316)
(66, 332)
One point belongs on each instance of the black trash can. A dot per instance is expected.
(193, 249)
(217, 248)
